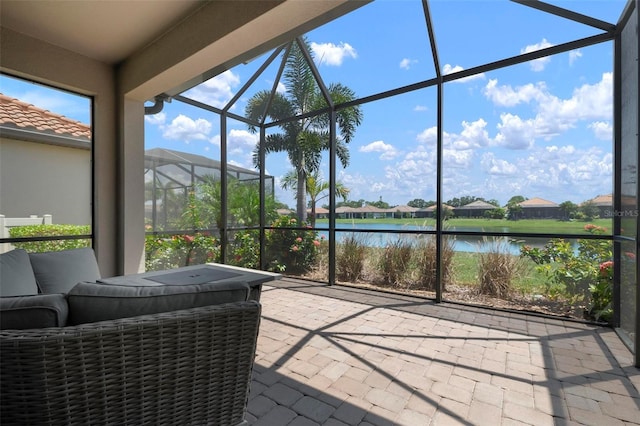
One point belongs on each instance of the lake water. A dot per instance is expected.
(462, 243)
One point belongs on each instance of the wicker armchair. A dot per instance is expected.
(186, 367)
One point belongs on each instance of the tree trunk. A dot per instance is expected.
(312, 220)
(301, 197)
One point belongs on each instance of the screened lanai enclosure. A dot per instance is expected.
(171, 176)
(422, 103)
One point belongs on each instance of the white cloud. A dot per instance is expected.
(515, 133)
(241, 141)
(216, 91)
(494, 166)
(156, 119)
(574, 55)
(389, 152)
(508, 96)
(539, 64)
(553, 115)
(473, 135)
(456, 158)
(332, 54)
(429, 136)
(589, 101)
(186, 129)
(406, 63)
(450, 69)
(419, 108)
(602, 130)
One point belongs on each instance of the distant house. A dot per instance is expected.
(604, 203)
(345, 212)
(321, 213)
(538, 208)
(402, 211)
(431, 211)
(369, 211)
(474, 209)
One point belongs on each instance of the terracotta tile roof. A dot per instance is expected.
(476, 205)
(603, 200)
(17, 114)
(319, 210)
(433, 208)
(402, 209)
(537, 202)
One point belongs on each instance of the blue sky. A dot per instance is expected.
(538, 129)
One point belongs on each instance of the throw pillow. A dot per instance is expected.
(59, 271)
(16, 274)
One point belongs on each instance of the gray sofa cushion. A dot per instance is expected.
(37, 311)
(59, 271)
(91, 302)
(16, 274)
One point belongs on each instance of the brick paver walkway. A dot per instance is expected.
(341, 356)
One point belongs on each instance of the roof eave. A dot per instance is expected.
(46, 138)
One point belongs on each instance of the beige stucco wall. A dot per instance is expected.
(37, 179)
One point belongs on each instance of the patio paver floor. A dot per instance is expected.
(345, 356)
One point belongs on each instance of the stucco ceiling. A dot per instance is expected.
(108, 31)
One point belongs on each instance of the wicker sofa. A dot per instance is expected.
(174, 364)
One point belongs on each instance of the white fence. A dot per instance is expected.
(10, 222)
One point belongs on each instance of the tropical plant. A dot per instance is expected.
(316, 188)
(305, 138)
(243, 204)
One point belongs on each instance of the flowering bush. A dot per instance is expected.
(180, 250)
(602, 293)
(575, 274)
(291, 250)
(244, 250)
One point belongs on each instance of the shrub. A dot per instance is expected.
(350, 258)
(180, 250)
(244, 249)
(394, 261)
(497, 268)
(50, 231)
(601, 308)
(288, 249)
(574, 272)
(425, 252)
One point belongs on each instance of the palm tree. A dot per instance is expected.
(306, 138)
(314, 187)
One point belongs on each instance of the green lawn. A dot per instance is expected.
(548, 226)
